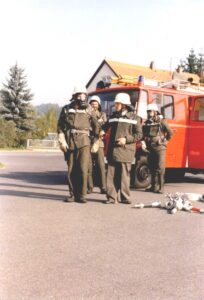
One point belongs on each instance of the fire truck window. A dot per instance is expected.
(142, 105)
(107, 99)
(168, 107)
(198, 114)
(134, 95)
(157, 99)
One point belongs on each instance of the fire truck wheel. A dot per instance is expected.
(140, 175)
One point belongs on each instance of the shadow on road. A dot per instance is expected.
(96, 200)
(39, 187)
(41, 181)
(28, 194)
(42, 196)
(45, 178)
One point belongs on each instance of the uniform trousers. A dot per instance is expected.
(78, 164)
(97, 161)
(118, 179)
(156, 160)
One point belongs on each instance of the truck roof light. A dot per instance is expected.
(141, 80)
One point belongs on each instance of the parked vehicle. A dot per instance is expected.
(182, 105)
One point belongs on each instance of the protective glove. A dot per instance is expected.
(101, 134)
(121, 141)
(63, 147)
(95, 147)
(144, 146)
(62, 142)
(165, 142)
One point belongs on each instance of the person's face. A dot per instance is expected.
(95, 105)
(151, 113)
(118, 106)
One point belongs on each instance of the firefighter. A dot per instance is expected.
(97, 150)
(156, 134)
(73, 132)
(125, 129)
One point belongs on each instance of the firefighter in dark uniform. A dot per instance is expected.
(125, 130)
(156, 134)
(73, 132)
(97, 150)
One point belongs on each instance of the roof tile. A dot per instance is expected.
(147, 72)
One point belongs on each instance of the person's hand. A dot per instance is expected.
(144, 146)
(63, 146)
(95, 147)
(62, 142)
(121, 141)
(101, 134)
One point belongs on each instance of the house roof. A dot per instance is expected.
(155, 74)
(119, 68)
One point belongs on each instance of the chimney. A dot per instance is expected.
(152, 66)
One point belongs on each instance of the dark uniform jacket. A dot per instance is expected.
(102, 119)
(123, 124)
(75, 123)
(156, 133)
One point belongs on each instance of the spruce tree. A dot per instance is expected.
(201, 65)
(191, 63)
(3, 109)
(16, 99)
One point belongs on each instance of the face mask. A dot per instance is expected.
(81, 97)
(150, 115)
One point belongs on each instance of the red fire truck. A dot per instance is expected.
(182, 105)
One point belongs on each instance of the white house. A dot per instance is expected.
(113, 68)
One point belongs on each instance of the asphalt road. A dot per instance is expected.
(56, 250)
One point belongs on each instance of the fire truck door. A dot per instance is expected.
(196, 134)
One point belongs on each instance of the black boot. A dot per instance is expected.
(103, 191)
(69, 199)
(152, 187)
(126, 201)
(81, 199)
(90, 190)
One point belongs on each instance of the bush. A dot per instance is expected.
(21, 138)
(8, 134)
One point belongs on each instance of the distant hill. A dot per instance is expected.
(43, 108)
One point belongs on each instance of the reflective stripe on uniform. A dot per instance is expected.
(152, 124)
(80, 111)
(79, 131)
(121, 120)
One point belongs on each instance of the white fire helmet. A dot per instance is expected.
(153, 106)
(95, 98)
(79, 90)
(123, 98)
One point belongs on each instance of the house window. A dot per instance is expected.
(198, 114)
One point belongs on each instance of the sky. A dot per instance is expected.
(61, 43)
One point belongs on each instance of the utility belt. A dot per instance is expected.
(78, 131)
(155, 140)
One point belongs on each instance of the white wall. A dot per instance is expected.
(104, 71)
